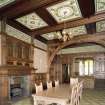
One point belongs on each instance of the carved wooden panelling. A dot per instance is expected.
(99, 71)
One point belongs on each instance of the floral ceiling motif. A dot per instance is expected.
(5, 2)
(75, 31)
(99, 5)
(32, 21)
(100, 26)
(67, 10)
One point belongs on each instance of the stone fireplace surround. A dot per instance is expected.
(19, 86)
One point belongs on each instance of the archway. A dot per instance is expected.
(97, 39)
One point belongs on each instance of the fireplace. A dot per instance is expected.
(16, 90)
(19, 86)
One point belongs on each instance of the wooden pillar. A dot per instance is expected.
(3, 78)
(3, 41)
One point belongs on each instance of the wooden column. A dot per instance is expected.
(3, 41)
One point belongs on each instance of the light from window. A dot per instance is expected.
(85, 67)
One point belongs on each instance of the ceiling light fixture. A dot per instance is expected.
(64, 35)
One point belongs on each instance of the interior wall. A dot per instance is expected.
(40, 60)
(99, 64)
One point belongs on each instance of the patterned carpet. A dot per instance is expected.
(90, 97)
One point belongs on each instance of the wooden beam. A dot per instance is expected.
(96, 38)
(70, 24)
(87, 7)
(24, 29)
(91, 28)
(80, 37)
(19, 26)
(46, 16)
(25, 7)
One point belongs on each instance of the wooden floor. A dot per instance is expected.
(90, 97)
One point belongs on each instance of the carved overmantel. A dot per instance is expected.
(16, 70)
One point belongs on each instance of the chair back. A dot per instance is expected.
(56, 83)
(39, 88)
(73, 97)
(80, 88)
(73, 81)
(49, 84)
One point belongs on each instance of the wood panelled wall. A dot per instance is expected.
(19, 52)
(56, 66)
(16, 60)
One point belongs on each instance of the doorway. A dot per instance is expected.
(65, 73)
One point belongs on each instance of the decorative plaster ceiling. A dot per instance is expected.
(64, 11)
(5, 2)
(100, 5)
(18, 34)
(32, 21)
(50, 36)
(100, 26)
(80, 30)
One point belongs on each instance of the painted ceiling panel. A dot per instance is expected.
(50, 36)
(32, 21)
(80, 30)
(99, 5)
(100, 26)
(64, 11)
(5, 2)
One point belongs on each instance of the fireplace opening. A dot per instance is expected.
(19, 86)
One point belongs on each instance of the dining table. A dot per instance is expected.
(59, 95)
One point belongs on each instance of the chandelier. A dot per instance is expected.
(65, 34)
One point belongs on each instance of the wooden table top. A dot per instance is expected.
(62, 91)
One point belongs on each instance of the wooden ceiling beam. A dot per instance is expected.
(95, 36)
(25, 7)
(70, 24)
(87, 7)
(46, 16)
(19, 27)
(91, 28)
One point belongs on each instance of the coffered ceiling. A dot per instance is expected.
(100, 5)
(75, 31)
(100, 26)
(43, 18)
(64, 11)
(32, 21)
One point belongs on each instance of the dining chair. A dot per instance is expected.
(56, 83)
(39, 87)
(74, 96)
(80, 89)
(73, 81)
(49, 84)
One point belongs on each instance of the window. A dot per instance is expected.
(86, 67)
